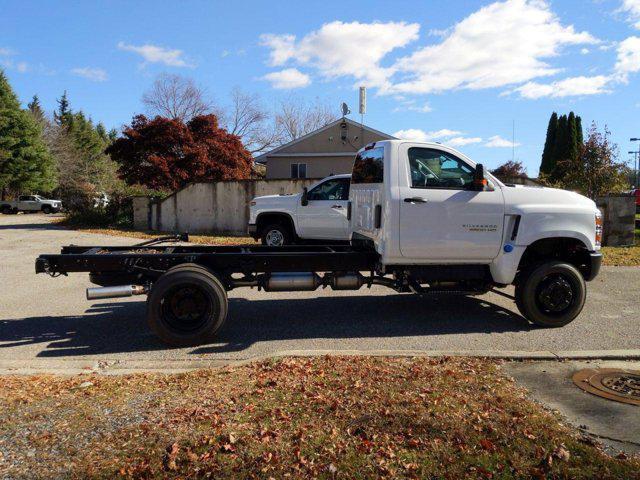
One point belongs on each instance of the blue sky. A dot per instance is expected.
(456, 72)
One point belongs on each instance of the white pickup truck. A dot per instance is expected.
(30, 203)
(424, 219)
(317, 213)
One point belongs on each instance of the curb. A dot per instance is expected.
(124, 367)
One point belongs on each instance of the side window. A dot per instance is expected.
(335, 189)
(24, 198)
(431, 168)
(298, 170)
(369, 166)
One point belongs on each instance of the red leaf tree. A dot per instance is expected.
(168, 154)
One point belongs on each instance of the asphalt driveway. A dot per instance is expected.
(47, 323)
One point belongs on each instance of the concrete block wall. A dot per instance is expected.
(217, 207)
(618, 219)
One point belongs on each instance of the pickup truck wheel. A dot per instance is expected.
(46, 209)
(551, 294)
(6, 210)
(187, 306)
(276, 235)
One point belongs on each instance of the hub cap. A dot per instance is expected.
(274, 238)
(554, 294)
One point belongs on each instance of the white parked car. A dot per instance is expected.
(317, 213)
(30, 203)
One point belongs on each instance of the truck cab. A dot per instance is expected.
(318, 213)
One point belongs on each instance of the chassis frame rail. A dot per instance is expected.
(152, 261)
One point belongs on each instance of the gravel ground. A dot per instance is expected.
(46, 324)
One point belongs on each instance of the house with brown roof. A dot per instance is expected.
(323, 152)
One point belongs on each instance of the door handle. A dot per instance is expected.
(336, 206)
(415, 200)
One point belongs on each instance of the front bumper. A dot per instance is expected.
(595, 261)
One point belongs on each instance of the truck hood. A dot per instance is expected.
(277, 199)
(521, 198)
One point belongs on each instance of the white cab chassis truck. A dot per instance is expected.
(318, 214)
(425, 219)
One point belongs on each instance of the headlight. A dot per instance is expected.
(598, 230)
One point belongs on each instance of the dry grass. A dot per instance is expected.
(332, 417)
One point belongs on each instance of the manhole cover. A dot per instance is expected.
(612, 383)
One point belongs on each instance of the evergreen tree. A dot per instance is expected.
(547, 164)
(579, 132)
(63, 116)
(25, 162)
(572, 147)
(36, 109)
(560, 149)
(113, 134)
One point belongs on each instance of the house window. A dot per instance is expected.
(298, 170)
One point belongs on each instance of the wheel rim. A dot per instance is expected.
(555, 294)
(274, 238)
(186, 307)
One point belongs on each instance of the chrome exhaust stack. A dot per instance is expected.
(97, 293)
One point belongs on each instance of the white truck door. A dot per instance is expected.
(28, 203)
(441, 219)
(324, 217)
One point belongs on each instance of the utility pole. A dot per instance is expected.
(636, 160)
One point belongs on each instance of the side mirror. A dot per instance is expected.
(304, 201)
(479, 182)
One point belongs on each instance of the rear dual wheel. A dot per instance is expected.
(551, 294)
(187, 306)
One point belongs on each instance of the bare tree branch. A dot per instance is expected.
(247, 118)
(296, 118)
(177, 97)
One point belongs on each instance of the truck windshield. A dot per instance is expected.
(369, 166)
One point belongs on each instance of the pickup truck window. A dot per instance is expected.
(432, 168)
(336, 189)
(26, 198)
(369, 166)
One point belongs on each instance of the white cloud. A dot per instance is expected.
(504, 43)
(584, 51)
(156, 54)
(11, 64)
(498, 142)
(287, 79)
(423, 136)
(5, 52)
(628, 58)
(462, 141)
(344, 49)
(452, 138)
(569, 87)
(632, 8)
(93, 74)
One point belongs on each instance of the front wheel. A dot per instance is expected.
(187, 307)
(276, 235)
(551, 294)
(46, 209)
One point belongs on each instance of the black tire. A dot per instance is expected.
(46, 209)
(276, 231)
(6, 210)
(551, 294)
(187, 306)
